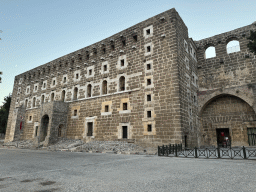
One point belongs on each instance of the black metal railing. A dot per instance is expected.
(211, 152)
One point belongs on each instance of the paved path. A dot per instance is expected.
(29, 170)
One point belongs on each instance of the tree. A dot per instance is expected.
(252, 44)
(4, 112)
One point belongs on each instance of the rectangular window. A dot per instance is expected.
(75, 112)
(36, 131)
(65, 79)
(122, 62)
(113, 47)
(124, 132)
(148, 81)
(44, 85)
(105, 67)
(90, 72)
(123, 42)
(30, 118)
(124, 106)
(90, 129)
(148, 32)
(106, 108)
(148, 48)
(149, 114)
(149, 97)
(135, 38)
(148, 66)
(77, 76)
(149, 127)
(103, 50)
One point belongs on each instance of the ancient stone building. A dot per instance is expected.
(149, 84)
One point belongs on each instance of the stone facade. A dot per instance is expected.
(149, 84)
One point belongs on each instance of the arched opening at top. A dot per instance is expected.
(42, 99)
(122, 83)
(63, 93)
(210, 52)
(44, 127)
(75, 93)
(233, 46)
(104, 87)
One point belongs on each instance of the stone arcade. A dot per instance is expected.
(149, 84)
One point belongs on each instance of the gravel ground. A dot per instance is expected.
(45, 171)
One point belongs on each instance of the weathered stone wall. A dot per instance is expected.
(227, 75)
(145, 55)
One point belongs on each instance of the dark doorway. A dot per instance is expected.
(186, 141)
(124, 132)
(90, 126)
(223, 137)
(60, 130)
(45, 123)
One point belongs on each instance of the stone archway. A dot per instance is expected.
(223, 117)
(44, 127)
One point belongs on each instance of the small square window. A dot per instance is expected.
(149, 97)
(75, 112)
(148, 48)
(106, 108)
(90, 72)
(122, 62)
(135, 38)
(148, 32)
(148, 82)
(149, 114)
(148, 66)
(105, 67)
(149, 127)
(124, 106)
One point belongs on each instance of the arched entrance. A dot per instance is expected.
(226, 120)
(44, 127)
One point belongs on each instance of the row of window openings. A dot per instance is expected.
(232, 46)
(90, 73)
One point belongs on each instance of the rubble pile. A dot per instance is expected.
(64, 144)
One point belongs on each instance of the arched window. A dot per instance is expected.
(89, 90)
(63, 95)
(75, 93)
(52, 97)
(104, 87)
(42, 99)
(122, 83)
(34, 102)
(210, 52)
(233, 46)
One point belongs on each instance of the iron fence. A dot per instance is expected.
(211, 152)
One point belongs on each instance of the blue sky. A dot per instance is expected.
(35, 32)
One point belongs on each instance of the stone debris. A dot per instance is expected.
(72, 145)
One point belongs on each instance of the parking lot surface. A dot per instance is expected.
(44, 171)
